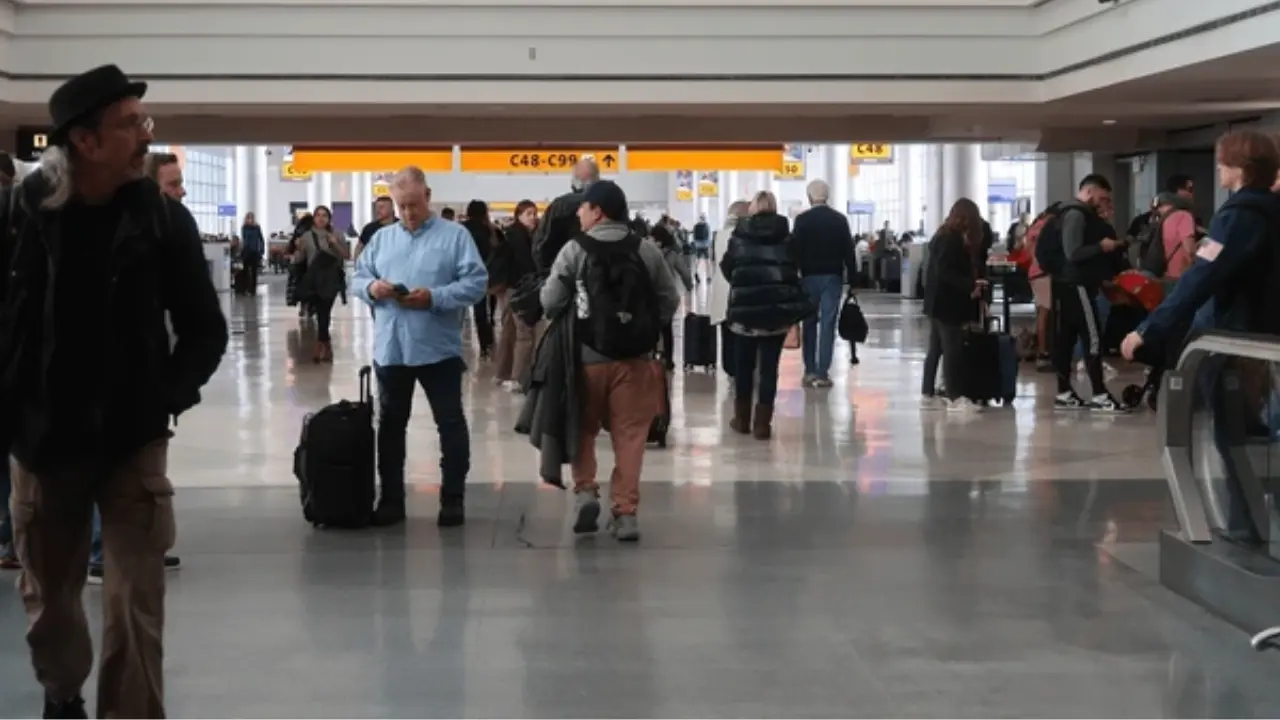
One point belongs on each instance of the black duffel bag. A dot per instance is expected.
(526, 301)
(852, 325)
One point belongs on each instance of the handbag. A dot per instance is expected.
(852, 325)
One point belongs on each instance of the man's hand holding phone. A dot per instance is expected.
(419, 299)
(1111, 245)
(381, 290)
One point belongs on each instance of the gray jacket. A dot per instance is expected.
(561, 289)
(679, 266)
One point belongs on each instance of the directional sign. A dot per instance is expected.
(535, 160)
(792, 163)
(226, 210)
(870, 153)
(314, 160)
(290, 172)
(672, 159)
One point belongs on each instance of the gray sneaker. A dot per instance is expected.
(586, 513)
(808, 380)
(822, 383)
(625, 528)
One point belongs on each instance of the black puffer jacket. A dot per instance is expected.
(519, 248)
(558, 226)
(765, 294)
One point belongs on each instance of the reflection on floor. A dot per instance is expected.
(870, 560)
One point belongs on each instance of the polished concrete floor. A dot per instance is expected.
(871, 560)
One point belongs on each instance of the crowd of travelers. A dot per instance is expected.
(574, 309)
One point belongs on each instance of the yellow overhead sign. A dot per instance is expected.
(669, 159)
(871, 153)
(792, 163)
(535, 160)
(289, 171)
(314, 160)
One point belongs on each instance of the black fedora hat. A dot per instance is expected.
(86, 93)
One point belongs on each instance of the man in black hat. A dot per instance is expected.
(89, 387)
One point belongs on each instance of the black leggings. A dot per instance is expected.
(1075, 313)
(484, 325)
(669, 343)
(324, 317)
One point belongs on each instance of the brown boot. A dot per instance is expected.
(317, 353)
(762, 429)
(741, 421)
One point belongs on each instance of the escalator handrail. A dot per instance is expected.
(1255, 346)
(1175, 418)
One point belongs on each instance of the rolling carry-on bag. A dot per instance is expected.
(335, 462)
(699, 342)
(989, 364)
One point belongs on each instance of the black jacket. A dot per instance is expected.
(519, 251)
(1083, 231)
(823, 243)
(559, 225)
(156, 267)
(551, 415)
(764, 286)
(949, 280)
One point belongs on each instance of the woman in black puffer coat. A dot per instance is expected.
(765, 300)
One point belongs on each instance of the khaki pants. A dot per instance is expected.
(515, 343)
(52, 518)
(622, 398)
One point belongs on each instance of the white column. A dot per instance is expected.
(261, 206)
(908, 186)
(242, 184)
(933, 196)
(732, 190)
(837, 162)
(963, 175)
(326, 190)
(313, 192)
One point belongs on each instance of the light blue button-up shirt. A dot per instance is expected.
(441, 257)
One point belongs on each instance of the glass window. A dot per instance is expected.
(206, 179)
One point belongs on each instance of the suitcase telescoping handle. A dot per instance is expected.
(366, 384)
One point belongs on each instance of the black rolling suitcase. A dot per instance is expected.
(662, 421)
(335, 462)
(699, 342)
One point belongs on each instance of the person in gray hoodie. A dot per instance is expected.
(620, 380)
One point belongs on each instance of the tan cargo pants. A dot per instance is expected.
(52, 516)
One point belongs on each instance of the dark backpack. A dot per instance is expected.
(1050, 256)
(622, 306)
(1152, 258)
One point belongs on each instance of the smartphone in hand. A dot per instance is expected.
(400, 289)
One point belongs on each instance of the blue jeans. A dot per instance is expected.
(442, 383)
(747, 350)
(95, 546)
(820, 330)
(6, 521)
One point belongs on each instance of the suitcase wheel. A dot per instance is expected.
(1008, 401)
(662, 441)
(1132, 395)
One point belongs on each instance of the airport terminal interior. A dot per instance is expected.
(878, 555)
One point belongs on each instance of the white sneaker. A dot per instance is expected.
(511, 386)
(963, 405)
(933, 402)
(1104, 403)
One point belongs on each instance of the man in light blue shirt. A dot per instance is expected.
(421, 275)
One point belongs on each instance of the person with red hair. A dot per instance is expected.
(1229, 286)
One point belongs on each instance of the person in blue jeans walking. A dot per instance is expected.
(823, 248)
